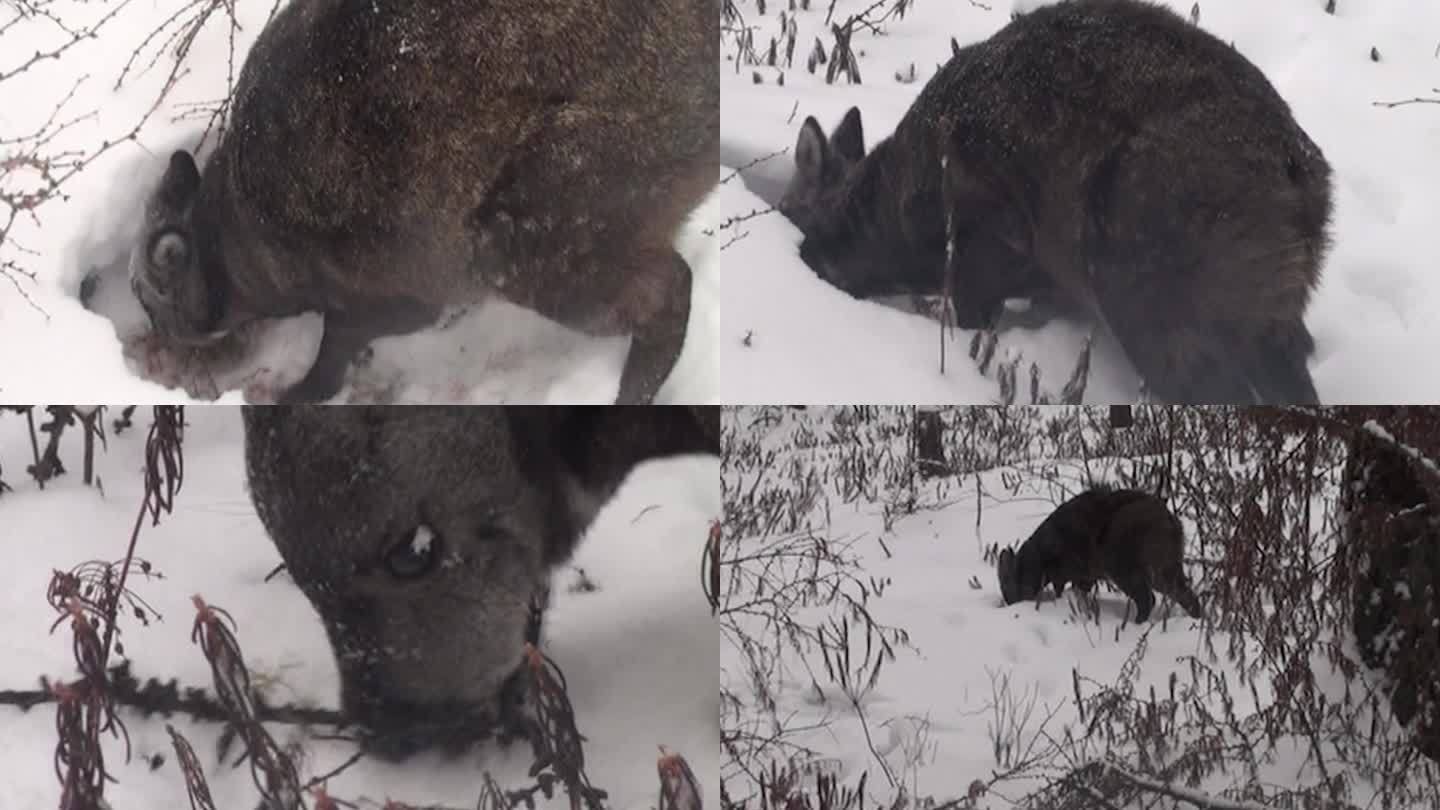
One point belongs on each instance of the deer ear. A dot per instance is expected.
(180, 181)
(812, 151)
(848, 139)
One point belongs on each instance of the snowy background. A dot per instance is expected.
(983, 693)
(639, 654)
(52, 349)
(789, 337)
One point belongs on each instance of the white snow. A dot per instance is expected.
(639, 653)
(788, 337)
(52, 349)
(424, 536)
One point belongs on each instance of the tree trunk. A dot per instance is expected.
(1121, 416)
(929, 450)
(1391, 551)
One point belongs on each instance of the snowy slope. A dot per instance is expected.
(789, 338)
(52, 349)
(639, 654)
(983, 686)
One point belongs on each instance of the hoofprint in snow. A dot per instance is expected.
(53, 349)
(790, 337)
(983, 687)
(639, 653)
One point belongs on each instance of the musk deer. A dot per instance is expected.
(1107, 154)
(1125, 536)
(424, 536)
(386, 159)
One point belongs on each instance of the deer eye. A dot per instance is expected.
(415, 553)
(169, 251)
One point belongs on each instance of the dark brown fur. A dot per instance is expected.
(1125, 536)
(388, 158)
(1105, 153)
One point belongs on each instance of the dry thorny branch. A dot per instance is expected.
(841, 60)
(90, 597)
(710, 574)
(196, 788)
(47, 465)
(679, 789)
(272, 770)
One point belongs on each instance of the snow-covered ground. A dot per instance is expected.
(983, 687)
(53, 349)
(789, 337)
(639, 654)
